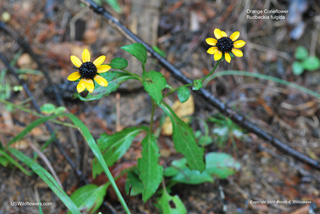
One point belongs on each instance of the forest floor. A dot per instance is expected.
(56, 29)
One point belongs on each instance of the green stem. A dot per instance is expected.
(211, 72)
(132, 74)
(35, 113)
(266, 77)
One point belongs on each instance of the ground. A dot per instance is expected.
(56, 29)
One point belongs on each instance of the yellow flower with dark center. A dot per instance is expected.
(224, 45)
(88, 71)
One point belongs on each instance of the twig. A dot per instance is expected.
(28, 92)
(47, 162)
(212, 100)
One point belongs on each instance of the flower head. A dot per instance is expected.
(224, 45)
(88, 71)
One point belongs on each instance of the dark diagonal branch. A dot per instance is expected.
(26, 47)
(36, 106)
(211, 99)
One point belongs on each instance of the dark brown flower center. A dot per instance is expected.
(88, 70)
(225, 44)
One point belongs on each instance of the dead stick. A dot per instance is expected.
(206, 95)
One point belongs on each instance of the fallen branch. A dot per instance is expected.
(211, 99)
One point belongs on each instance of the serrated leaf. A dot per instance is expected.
(183, 94)
(113, 147)
(197, 84)
(114, 78)
(171, 204)
(89, 197)
(137, 50)
(221, 165)
(301, 53)
(311, 63)
(135, 183)
(118, 63)
(154, 82)
(150, 172)
(185, 141)
(47, 108)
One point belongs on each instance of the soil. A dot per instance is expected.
(268, 179)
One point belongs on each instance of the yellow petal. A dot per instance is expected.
(217, 33)
(81, 86)
(103, 68)
(218, 55)
(99, 61)
(237, 52)
(223, 34)
(212, 50)
(89, 84)
(235, 36)
(74, 76)
(227, 57)
(85, 56)
(239, 44)
(76, 61)
(101, 81)
(211, 41)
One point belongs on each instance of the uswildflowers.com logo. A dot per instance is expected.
(28, 203)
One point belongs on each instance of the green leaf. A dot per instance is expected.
(119, 63)
(297, 68)
(154, 82)
(60, 110)
(89, 197)
(150, 171)
(182, 174)
(47, 178)
(159, 51)
(221, 165)
(184, 141)
(40, 210)
(175, 167)
(3, 161)
(114, 78)
(113, 147)
(205, 140)
(135, 183)
(197, 84)
(171, 204)
(188, 176)
(311, 63)
(89, 139)
(114, 5)
(137, 50)
(5, 158)
(48, 108)
(183, 94)
(301, 53)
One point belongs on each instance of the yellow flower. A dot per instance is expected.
(224, 45)
(88, 71)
